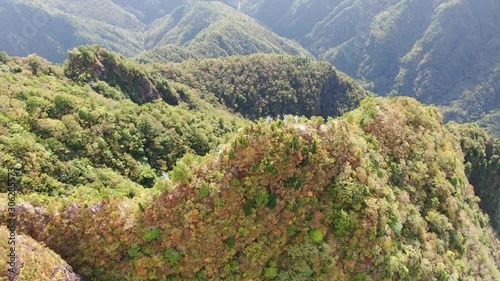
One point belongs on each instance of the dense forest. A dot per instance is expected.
(102, 119)
(441, 52)
(271, 85)
(206, 29)
(250, 140)
(161, 172)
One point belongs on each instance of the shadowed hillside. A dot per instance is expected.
(441, 52)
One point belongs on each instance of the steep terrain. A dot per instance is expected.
(271, 85)
(174, 166)
(207, 29)
(50, 28)
(379, 193)
(39, 262)
(213, 29)
(105, 121)
(441, 52)
(89, 132)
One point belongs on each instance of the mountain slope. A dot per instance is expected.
(50, 28)
(103, 121)
(441, 52)
(270, 85)
(87, 134)
(36, 260)
(213, 29)
(149, 10)
(379, 193)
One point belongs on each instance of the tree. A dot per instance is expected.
(3, 57)
(34, 62)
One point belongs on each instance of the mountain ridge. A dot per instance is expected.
(287, 211)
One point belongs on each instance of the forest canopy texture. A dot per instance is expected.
(444, 53)
(250, 140)
(196, 171)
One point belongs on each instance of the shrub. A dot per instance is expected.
(204, 190)
(263, 198)
(271, 203)
(343, 223)
(147, 177)
(271, 273)
(247, 208)
(63, 105)
(296, 181)
(180, 173)
(4, 68)
(34, 62)
(16, 69)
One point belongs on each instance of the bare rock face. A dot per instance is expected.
(32, 261)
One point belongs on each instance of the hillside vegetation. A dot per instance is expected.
(102, 120)
(89, 132)
(381, 193)
(206, 29)
(441, 52)
(213, 29)
(270, 85)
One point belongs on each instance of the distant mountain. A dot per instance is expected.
(213, 29)
(441, 52)
(149, 10)
(206, 29)
(50, 28)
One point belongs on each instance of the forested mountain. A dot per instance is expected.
(271, 85)
(213, 29)
(149, 10)
(382, 192)
(206, 29)
(445, 52)
(50, 28)
(200, 141)
(442, 52)
(138, 120)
